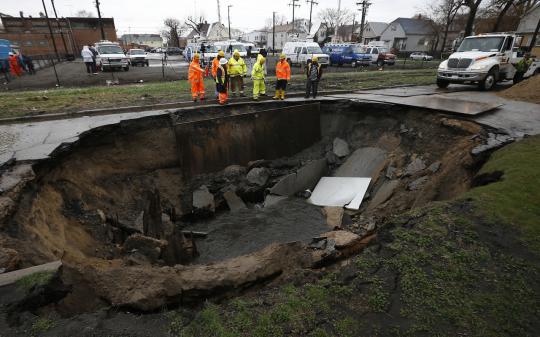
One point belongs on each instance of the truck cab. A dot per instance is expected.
(483, 59)
(347, 53)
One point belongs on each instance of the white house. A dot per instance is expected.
(410, 35)
(257, 37)
(373, 31)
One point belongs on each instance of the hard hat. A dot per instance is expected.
(314, 59)
(221, 53)
(196, 56)
(282, 56)
(236, 52)
(223, 61)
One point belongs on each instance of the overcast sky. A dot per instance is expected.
(146, 16)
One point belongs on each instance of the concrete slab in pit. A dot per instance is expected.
(413, 91)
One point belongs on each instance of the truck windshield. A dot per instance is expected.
(136, 52)
(239, 47)
(486, 44)
(314, 50)
(110, 50)
(359, 50)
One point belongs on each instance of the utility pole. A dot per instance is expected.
(364, 8)
(59, 28)
(311, 3)
(53, 41)
(218, 11)
(100, 21)
(273, 33)
(352, 32)
(293, 4)
(229, 19)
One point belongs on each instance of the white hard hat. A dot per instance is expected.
(223, 61)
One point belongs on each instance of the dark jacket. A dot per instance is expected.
(309, 69)
(222, 79)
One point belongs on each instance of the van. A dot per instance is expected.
(110, 56)
(347, 53)
(300, 52)
(230, 46)
(210, 52)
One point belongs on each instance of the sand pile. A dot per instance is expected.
(528, 90)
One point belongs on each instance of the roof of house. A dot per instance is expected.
(377, 27)
(415, 26)
(203, 28)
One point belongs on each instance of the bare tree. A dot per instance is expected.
(172, 31)
(195, 23)
(83, 13)
(279, 20)
(473, 6)
(332, 18)
(502, 7)
(443, 14)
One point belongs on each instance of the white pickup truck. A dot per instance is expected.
(484, 60)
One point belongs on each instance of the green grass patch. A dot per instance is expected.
(13, 104)
(41, 325)
(34, 280)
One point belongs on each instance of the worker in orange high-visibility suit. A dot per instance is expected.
(283, 75)
(215, 65)
(195, 77)
(14, 65)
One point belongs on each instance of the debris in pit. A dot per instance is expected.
(305, 178)
(417, 184)
(233, 171)
(384, 193)
(493, 142)
(152, 220)
(7, 206)
(336, 245)
(203, 201)
(148, 247)
(233, 201)
(271, 200)
(364, 162)
(9, 259)
(340, 147)
(179, 249)
(434, 168)
(415, 166)
(340, 191)
(258, 176)
(334, 216)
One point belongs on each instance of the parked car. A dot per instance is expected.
(421, 56)
(381, 55)
(298, 53)
(137, 56)
(111, 56)
(173, 51)
(230, 46)
(347, 53)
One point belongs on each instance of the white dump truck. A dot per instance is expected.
(484, 60)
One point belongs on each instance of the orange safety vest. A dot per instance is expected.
(215, 65)
(283, 71)
(195, 73)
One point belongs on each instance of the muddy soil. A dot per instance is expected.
(525, 91)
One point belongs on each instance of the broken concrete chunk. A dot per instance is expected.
(332, 158)
(286, 186)
(9, 259)
(415, 166)
(234, 170)
(383, 193)
(203, 199)
(435, 167)
(233, 201)
(390, 172)
(304, 179)
(340, 147)
(6, 207)
(494, 141)
(364, 162)
(417, 184)
(258, 176)
(271, 200)
(334, 216)
(144, 245)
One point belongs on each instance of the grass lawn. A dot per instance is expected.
(66, 100)
(467, 267)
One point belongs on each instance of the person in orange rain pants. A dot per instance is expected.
(215, 65)
(222, 81)
(14, 65)
(195, 77)
(283, 75)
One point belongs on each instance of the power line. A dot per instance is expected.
(293, 5)
(311, 3)
(364, 8)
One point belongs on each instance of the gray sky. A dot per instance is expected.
(146, 16)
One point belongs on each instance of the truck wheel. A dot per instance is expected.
(354, 64)
(380, 63)
(442, 83)
(126, 68)
(489, 82)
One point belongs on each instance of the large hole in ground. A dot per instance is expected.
(168, 209)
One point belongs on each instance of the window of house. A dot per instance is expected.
(421, 41)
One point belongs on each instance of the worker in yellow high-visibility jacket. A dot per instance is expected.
(257, 75)
(237, 70)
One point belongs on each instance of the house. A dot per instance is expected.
(285, 33)
(410, 35)
(147, 40)
(373, 31)
(346, 33)
(527, 27)
(213, 32)
(32, 36)
(257, 37)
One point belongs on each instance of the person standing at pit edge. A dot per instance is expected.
(314, 73)
(215, 65)
(283, 75)
(88, 59)
(222, 81)
(237, 70)
(195, 77)
(257, 75)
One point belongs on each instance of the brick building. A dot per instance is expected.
(31, 35)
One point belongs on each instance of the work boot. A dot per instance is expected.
(255, 98)
(242, 94)
(277, 95)
(282, 95)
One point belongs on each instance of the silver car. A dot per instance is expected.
(421, 56)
